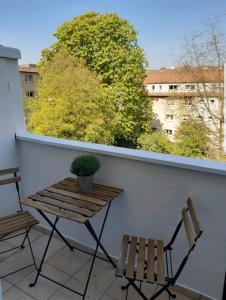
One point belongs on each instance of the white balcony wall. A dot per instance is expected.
(150, 206)
(9, 90)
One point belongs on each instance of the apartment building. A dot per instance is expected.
(28, 80)
(179, 94)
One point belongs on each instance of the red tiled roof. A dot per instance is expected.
(184, 75)
(24, 69)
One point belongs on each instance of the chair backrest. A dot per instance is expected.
(192, 230)
(11, 175)
(191, 224)
(8, 176)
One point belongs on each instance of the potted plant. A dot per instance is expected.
(85, 166)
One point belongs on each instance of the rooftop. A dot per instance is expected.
(28, 68)
(184, 75)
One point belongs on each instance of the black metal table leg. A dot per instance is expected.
(44, 254)
(55, 229)
(92, 232)
(97, 239)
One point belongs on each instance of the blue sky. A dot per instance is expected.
(162, 24)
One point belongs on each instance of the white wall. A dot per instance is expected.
(150, 206)
(9, 89)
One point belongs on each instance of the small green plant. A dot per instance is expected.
(85, 165)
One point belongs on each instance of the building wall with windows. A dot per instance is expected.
(175, 94)
(29, 77)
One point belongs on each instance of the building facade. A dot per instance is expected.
(180, 94)
(28, 80)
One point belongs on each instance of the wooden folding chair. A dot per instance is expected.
(148, 260)
(11, 224)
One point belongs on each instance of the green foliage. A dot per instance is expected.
(192, 139)
(70, 102)
(107, 44)
(155, 142)
(85, 165)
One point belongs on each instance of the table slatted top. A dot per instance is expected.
(64, 199)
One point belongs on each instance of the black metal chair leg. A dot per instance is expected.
(44, 254)
(163, 289)
(25, 237)
(127, 292)
(139, 291)
(125, 287)
(171, 295)
(29, 243)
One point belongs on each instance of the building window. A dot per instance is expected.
(172, 87)
(28, 77)
(188, 101)
(169, 117)
(153, 88)
(160, 87)
(212, 101)
(169, 131)
(30, 94)
(185, 117)
(189, 86)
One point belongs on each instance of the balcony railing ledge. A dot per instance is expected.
(201, 165)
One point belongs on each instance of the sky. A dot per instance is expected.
(161, 24)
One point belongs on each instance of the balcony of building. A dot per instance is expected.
(155, 186)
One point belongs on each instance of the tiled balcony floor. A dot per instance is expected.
(62, 265)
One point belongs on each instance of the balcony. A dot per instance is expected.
(155, 188)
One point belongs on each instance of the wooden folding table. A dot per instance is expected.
(64, 200)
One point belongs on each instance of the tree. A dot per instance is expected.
(192, 139)
(70, 102)
(203, 59)
(155, 142)
(108, 46)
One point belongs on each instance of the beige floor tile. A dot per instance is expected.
(68, 261)
(33, 235)
(3, 247)
(44, 288)
(16, 294)
(117, 293)
(63, 294)
(105, 297)
(102, 275)
(39, 246)
(16, 261)
(5, 284)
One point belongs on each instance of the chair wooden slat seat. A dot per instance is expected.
(16, 222)
(141, 260)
